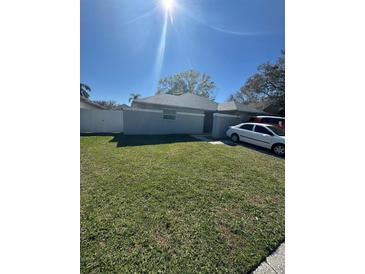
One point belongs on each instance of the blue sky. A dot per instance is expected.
(122, 49)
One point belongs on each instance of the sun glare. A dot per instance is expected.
(168, 5)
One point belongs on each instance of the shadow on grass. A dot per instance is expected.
(253, 147)
(141, 140)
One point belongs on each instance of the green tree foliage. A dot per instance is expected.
(84, 90)
(267, 84)
(112, 105)
(189, 81)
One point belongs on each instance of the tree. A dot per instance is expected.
(267, 84)
(232, 97)
(84, 90)
(189, 81)
(133, 96)
(109, 104)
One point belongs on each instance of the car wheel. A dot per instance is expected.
(279, 149)
(234, 138)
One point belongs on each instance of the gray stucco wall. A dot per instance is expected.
(97, 120)
(221, 123)
(151, 122)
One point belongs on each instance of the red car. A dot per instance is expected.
(271, 120)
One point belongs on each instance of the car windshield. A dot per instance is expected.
(277, 131)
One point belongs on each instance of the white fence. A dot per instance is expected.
(94, 120)
(221, 123)
(151, 122)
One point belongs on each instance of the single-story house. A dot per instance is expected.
(191, 103)
(276, 109)
(86, 103)
(187, 102)
(271, 107)
(166, 114)
(244, 111)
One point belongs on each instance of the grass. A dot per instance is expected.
(176, 205)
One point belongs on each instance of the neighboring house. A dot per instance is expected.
(270, 107)
(238, 109)
(86, 103)
(275, 108)
(185, 103)
(191, 103)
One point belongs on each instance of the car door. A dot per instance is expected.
(245, 133)
(262, 136)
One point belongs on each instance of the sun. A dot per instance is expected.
(168, 5)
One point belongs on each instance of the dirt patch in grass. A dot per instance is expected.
(102, 244)
(161, 239)
(231, 238)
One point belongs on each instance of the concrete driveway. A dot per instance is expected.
(247, 145)
(274, 264)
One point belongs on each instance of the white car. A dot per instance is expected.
(263, 135)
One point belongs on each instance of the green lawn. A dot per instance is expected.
(176, 205)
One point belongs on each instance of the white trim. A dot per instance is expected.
(225, 115)
(191, 114)
(268, 116)
(143, 109)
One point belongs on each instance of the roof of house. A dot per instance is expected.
(274, 108)
(234, 106)
(269, 106)
(87, 101)
(192, 101)
(186, 100)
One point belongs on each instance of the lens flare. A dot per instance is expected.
(168, 5)
(160, 52)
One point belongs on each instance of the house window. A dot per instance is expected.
(169, 114)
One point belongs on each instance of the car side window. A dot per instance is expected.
(247, 127)
(263, 130)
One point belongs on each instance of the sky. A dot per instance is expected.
(127, 45)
